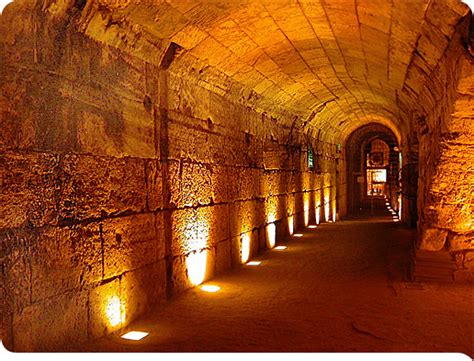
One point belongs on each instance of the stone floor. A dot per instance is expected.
(341, 287)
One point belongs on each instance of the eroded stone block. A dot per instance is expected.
(130, 243)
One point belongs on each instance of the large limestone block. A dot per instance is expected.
(96, 186)
(131, 242)
(194, 229)
(223, 256)
(29, 187)
(192, 269)
(15, 253)
(56, 324)
(106, 309)
(433, 239)
(191, 183)
(154, 184)
(142, 288)
(245, 215)
(65, 259)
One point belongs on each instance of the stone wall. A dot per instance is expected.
(124, 182)
(445, 131)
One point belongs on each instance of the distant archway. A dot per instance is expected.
(373, 169)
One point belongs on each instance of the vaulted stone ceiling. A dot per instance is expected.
(336, 63)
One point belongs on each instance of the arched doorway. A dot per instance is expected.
(373, 169)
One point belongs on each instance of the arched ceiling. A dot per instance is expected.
(337, 64)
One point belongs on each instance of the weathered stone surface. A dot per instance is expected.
(29, 187)
(468, 261)
(65, 259)
(191, 183)
(58, 323)
(223, 256)
(106, 309)
(154, 183)
(131, 242)
(94, 186)
(459, 242)
(16, 268)
(135, 132)
(142, 288)
(198, 228)
(433, 239)
(245, 215)
(186, 273)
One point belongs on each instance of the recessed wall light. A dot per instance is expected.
(210, 288)
(280, 248)
(254, 263)
(135, 335)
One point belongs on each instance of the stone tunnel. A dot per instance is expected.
(147, 147)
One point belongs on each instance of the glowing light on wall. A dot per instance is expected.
(297, 235)
(245, 248)
(281, 248)
(290, 225)
(326, 211)
(196, 264)
(312, 226)
(210, 288)
(327, 200)
(135, 335)
(400, 206)
(271, 211)
(114, 311)
(334, 213)
(195, 240)
(306, 209)
(254, 263)
(271, 235)
(318, 215)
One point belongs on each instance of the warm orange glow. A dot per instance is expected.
(297, 235)
(312, 226)
(254, 263)
(318, 215)
(196, 264)
(210, 288)
(244, 247)
(271, 235)
(135, 335)
(114, 311)
(195, 241)
(290, 225)
(280, 248)
(334, 214)
(306, 209)
(326, 211)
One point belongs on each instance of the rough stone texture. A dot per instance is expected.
(64, 259)
(445, 132)
(58, 323)
(135, 135)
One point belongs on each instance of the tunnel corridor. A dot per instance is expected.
(150, 148)
(340, 287)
